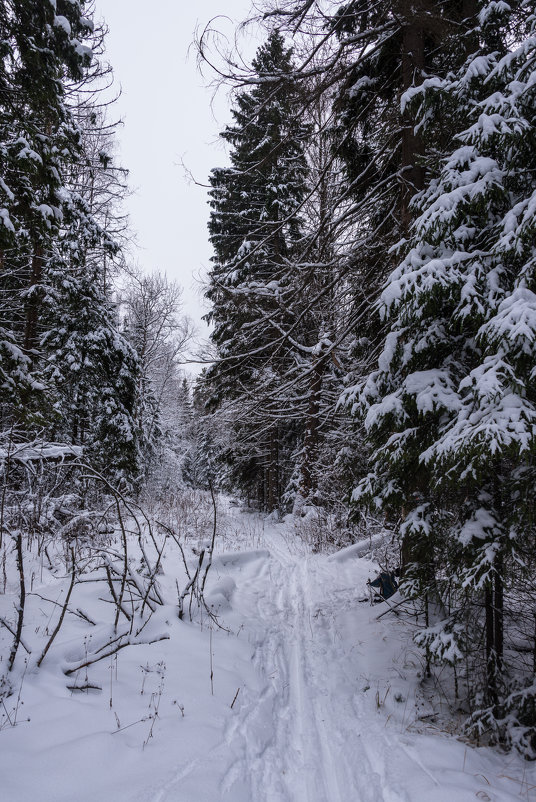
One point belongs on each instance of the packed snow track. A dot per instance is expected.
(317, 727)
(313, 752)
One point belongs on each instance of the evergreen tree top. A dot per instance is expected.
(273, 58)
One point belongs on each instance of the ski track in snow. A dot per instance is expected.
(321, 724)
(315, 751)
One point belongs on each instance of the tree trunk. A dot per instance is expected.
(308, 478)
(498, 611)
(491, 654)
(412, 66)
(470, 11)
(32, 308)
(271, 471)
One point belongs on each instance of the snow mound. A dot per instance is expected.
(237, 559)
(220, 595)
(356, 549)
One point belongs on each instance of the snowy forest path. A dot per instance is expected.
(303, 738)
(312, 697)
(300, 694)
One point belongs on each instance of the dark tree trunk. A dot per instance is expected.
(308, 480)
(491, 654)
(32, 308)
(412, 65)
(272, 471)
(498, 610)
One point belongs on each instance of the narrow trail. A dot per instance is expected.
(330, 701)
(300, 739)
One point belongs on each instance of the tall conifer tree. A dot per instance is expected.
(65, 370)
(254, 228)
(451, 409)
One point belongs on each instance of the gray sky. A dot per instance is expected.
(166, 108)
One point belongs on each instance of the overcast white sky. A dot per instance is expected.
(166, 108)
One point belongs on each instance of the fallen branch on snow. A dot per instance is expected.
(116, 648)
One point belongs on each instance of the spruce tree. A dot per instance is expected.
(254, 228)
(65, 370)
(451, 409)
(41, 44)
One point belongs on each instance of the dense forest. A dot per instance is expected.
(372, 357)
(373, 307)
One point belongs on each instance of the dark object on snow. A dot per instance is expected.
(386, 584)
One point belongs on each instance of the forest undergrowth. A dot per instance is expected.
(76, 549)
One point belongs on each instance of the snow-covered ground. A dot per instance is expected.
(301, 695)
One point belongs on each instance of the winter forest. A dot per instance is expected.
(306, 571)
